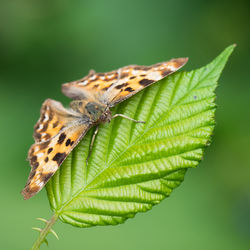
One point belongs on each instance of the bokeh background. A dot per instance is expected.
(44, 43)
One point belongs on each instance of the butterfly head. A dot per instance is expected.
(106, 116)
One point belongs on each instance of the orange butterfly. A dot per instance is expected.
(59, 129)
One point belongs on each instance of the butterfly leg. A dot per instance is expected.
(92, 143)
(126, 117)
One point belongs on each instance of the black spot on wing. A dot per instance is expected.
(55, 124)
(145, 82)
(46, 177)
(166, 72)
(61, 138)
(33, 159)
(44, 145)
(50, 150)
(46, 159)
(72, 142)
(129, 89)
(68, 142)
(121, 85)
(59, 157)
(35, 165)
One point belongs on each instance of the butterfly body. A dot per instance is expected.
(96, 112)
(60, 129)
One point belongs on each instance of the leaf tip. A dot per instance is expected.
(228, 50)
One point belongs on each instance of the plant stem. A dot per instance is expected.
(44, 232)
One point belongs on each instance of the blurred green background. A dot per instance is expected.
(45, 43)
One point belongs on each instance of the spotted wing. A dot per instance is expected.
(135, 78)
(50, 150)
(53, 117)
(115, 86)
(91, 86)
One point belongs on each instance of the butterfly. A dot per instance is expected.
(60, 129)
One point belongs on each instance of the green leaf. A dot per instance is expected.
(134, 166)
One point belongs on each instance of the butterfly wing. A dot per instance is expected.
(53, 117)
(53, 144)
(113, 87)
(135, 78)
(91, 86)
